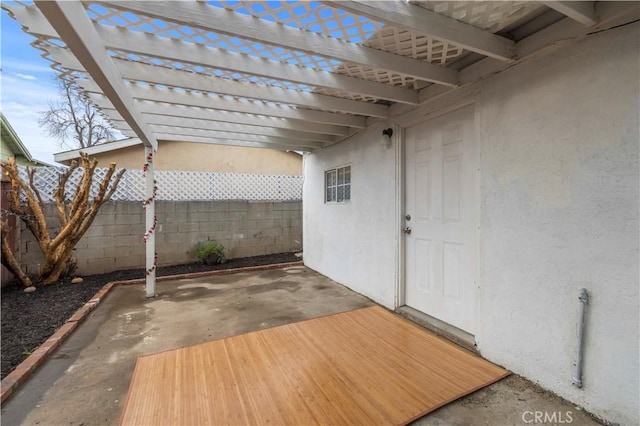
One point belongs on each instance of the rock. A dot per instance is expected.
(76, 280)
(29, 289)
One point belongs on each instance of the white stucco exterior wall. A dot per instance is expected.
(560, 184)
(354, 243)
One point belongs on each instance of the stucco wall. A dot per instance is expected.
(114, 240)
(559, 143)
(353, 243)
(559, 139)
(199, 157)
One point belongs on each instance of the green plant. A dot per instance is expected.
(210, 252)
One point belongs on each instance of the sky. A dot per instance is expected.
(27, 86)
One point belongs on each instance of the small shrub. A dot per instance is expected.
(210, 253)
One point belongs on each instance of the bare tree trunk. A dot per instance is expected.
(58, 267)
(10, 261)
(74, 217)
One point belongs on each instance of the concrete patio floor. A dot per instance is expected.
(86, 380)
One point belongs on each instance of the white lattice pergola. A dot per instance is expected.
(290, 75)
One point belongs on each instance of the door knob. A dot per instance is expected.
(407, 230)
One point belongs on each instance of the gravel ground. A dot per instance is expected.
(28, 319)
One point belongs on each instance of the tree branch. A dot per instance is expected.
(74, 119)
(31, 173)
(80, 201)
(102, 197)
(60, 194)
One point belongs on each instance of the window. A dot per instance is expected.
(337, 184)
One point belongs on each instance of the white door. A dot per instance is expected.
(441, 212)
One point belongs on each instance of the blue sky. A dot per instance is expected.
(27, 83)
(26, 87)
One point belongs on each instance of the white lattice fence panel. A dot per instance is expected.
(230, 186)
(178, 186)
(46, 181)
(184, 186)
(132, 187)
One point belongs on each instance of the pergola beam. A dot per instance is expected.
(229, 142)
(609, 14)
(178, 51)
(175, 50)
(156, 111)
(580, 11)
(555, 36)
(170, 96)
(291, 143)
(73, 26)
(420, 20)
(176, 78)
(160, 123)
(210, 18)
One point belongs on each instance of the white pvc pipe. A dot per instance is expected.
(577, 373)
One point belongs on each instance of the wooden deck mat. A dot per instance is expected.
(366, 366)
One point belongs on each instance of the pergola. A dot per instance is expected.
(290, 75)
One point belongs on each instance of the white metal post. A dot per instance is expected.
(150, 222)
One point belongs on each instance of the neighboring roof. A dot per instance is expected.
(96, 149)
(13, 141)
(11, 138)
(102, 148)
(297, 75)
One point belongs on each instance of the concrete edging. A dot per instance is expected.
(26, 368)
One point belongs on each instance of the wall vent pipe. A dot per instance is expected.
(577, 373)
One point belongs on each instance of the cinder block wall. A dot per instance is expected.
(114, 240)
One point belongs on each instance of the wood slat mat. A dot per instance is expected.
(366, 366)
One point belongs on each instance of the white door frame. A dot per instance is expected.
(400, 131)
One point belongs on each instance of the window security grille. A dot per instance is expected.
(338, 185)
